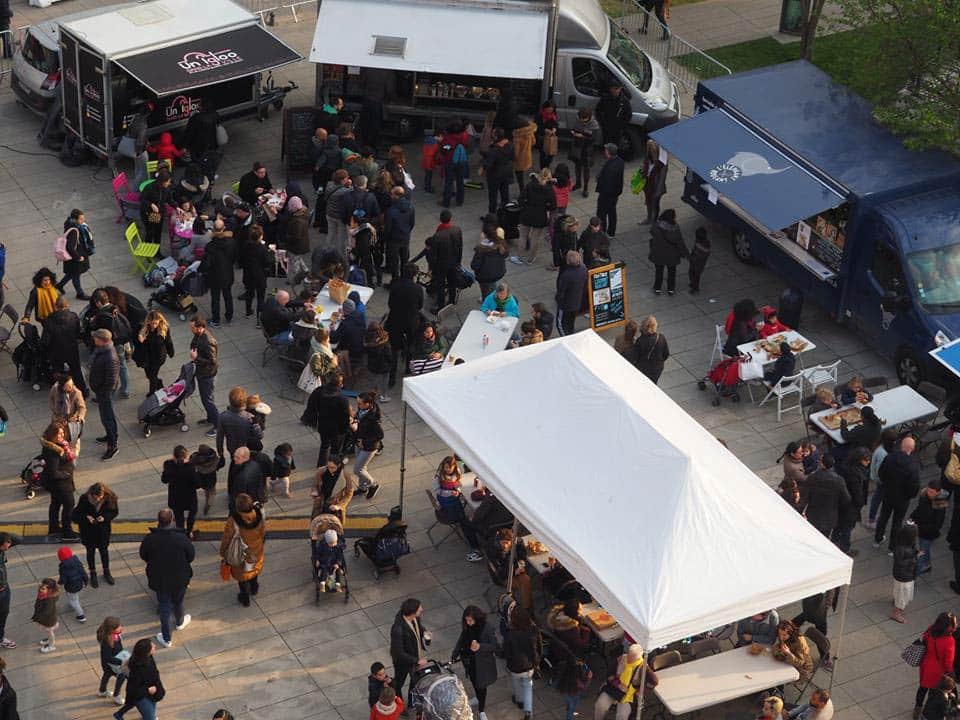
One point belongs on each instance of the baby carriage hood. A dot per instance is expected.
(171, 396)
(442, 697)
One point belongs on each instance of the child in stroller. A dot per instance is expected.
(386, 547)
(328, 555)
(172, 295)
(163, 406)
(437, 693)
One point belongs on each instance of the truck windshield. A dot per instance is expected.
(936, 276)
(630, 59)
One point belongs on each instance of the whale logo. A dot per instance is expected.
(743, 164)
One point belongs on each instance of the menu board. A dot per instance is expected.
(608, 296)
(298, 126)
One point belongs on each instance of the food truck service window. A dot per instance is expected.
(823, 236)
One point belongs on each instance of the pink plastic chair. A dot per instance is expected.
(128, 201)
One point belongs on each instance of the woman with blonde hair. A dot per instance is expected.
(153, 348)
(396, 165)
(524, 138)
(536, 203)
(651, 349)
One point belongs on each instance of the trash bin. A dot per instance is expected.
(509, 219)
(790, 307)
(791, 17)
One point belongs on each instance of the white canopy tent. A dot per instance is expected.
(660, 522)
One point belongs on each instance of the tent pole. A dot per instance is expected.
(643, 686)
(843, 616)
(403, 452)
(513, 555)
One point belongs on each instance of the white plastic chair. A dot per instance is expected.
(718, 344)
(787, 385)
(821, 375)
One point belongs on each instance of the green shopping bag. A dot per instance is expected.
(638, 182)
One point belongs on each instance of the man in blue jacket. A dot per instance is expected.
(609, 189)
(399, 221)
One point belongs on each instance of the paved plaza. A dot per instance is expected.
(285, 656)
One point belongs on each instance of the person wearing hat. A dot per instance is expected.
(619, 687)
(247, 520)
(771, 323)
(73, 578)
(296, 240)
(444, 250)
(328, 561)
(609, 188)
(348, 330)
(613, 113)
(254, 183)
(278, 318)
(104, 378)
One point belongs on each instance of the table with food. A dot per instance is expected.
(767, 350)
(719, 678)
(538, 554)
(325, 307)
(481, 335)
(894, 407)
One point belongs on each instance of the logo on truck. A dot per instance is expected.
(199, 61)
(182, 106)
(743, 164)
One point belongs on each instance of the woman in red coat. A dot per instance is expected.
(938, 658)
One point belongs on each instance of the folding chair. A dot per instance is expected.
(876, 382)
(928, 431)
(665, 660)
(6, 333)
(701, 648)
(128, 201)
(440, 519)
(787, 385)
(821, 375)
(154, 165)
(235, 187)
(718, 343)
(448, 330)
(144, 254)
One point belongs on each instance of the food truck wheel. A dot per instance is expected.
(742, 247)
(909, 371)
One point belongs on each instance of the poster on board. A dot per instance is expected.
(608, 296)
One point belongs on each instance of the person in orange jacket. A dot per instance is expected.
(165, 149)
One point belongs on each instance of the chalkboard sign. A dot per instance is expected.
(298, 126)
(608, 296)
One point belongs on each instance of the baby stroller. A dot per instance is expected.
(30, 476)
(318, 526)
(725, 379)
(163, 406)
(171, 293)
(28, 356)
(387, 546)
(438, 694)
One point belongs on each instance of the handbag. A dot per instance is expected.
(952, 469)
(613, 691)
(338, 290)
(127, 147)
(750, 369)
(638, 182)
(913, 653)
(223, 137)
(308, 382)
(154, 217)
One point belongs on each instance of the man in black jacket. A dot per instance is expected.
(206, 355)
(328, 412)
(445, 252)
(900, 474)
(408, 642)
(278, 317)
(536, 202)
(7, 541)
(825, 497)
(217, 266)
(245, 476)
(254, 184)
(613, 113)
(609, 189)
(403, 319)
(398, 221)
(61, 335)
(104, 379)
(168, 553)
(498, 169)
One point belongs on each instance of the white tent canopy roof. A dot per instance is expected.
(666, 527)
(433, 37)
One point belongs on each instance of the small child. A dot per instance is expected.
(182, 480)
(823, 400)
(283, 466)
(207, 462)
(328, 559)
(428, 160)
(771, 324)
(259, 409)
(698, 258)
(74, 578)
(388, 707)
(376, 682)
(811, 456)
(529, 333)
(905, 553)
(165, 150)
(112, 657)
(45, 613)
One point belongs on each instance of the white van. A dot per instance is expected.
(36, 67)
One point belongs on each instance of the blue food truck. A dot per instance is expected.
(812, 187)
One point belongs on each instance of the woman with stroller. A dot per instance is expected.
(475, 649)
(94, 514)
(154, 347)
(57, 479)
(247, 520)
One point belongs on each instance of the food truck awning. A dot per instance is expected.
(433, 37)
(208, 60)
(748, 171)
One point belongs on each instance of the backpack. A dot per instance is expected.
(236, 554)
(389, 548)
(120, 329)
(459, 155)
(60, 246)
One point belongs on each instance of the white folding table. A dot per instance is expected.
(328, 306)
(895, 406)
(469, 344)
(719, 678)
(761, 356)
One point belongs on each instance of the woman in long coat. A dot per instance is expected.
(247, 519)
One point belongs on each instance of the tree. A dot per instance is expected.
(915, 49)
(810, 11)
